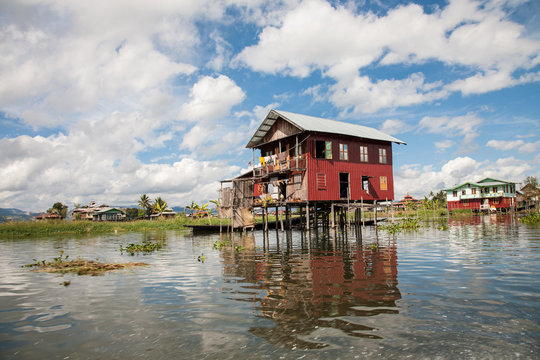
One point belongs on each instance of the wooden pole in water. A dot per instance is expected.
(332, 215)
(362, 215)
(375, 212)
(308, 225)
(281, 222)
(219, 212)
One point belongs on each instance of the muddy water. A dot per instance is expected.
(469, 291)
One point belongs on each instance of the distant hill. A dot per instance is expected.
(178, 209)
(15, 215)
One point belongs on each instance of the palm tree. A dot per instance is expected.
(218, 205)
(144, 203)
(191, 208)
(159, 205)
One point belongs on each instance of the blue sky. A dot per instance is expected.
(105, 101)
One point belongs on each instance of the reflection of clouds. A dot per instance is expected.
(306, 291)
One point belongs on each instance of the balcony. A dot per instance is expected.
(276, 166)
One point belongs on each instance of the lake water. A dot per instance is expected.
(471, 291)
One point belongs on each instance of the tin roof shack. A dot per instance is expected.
(109, 214)
(485, 195)
(310, 160)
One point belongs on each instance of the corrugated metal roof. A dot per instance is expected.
(482, 183)
(312, 123)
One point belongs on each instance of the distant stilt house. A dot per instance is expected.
(47, 216)
(109, 214)
(485, 195)
(168, 213)
(313, 162)
(87, 212)
(407, 200)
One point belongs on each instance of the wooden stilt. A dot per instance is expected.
(375, 213)
(308, 225)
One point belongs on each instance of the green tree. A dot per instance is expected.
(191, 208)
(531, 180)
(159, 206)
(132, 213)
(144, 203)
(218, 205)
(58, 208)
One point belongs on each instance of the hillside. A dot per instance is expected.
(15, 215)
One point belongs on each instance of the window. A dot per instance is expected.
(321, 181)
(363, 154)
(382, 156)
(365, 183)
(384, 183)
(494, 189)
(297, 180)
(323, 149)
(454, 194)
(343, 152)
(463, 192)
(473, 191)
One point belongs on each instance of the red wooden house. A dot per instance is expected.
(305, 158)
(311, 160)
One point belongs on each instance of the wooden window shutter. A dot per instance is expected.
(328, 147)
(384, 183)
(321, 181)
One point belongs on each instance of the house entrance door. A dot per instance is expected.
(344, 185)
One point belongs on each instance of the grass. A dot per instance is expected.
(533, 218)
(59, 227)
(62, 265)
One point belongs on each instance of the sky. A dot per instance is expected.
(107, 100)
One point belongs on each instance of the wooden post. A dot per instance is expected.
(348, 210)
(362, 215)
(332, 215)
(375, 212)
(219, 212)
(308, 225)
(281, 222)
(315, 220)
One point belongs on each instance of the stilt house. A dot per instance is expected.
(487, 194)
(300, 159)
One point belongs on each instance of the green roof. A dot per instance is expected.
(109, 210)
(483, 182)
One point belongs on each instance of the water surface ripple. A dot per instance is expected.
(469, 292)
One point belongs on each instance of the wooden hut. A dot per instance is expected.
(310, 161)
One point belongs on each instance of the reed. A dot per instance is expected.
(18, 229)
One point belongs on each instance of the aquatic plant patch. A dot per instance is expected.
(533, 218)
(62, 265)
(145, 248)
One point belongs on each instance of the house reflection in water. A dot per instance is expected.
(309, 291)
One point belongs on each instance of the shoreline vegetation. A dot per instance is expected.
(18, 229)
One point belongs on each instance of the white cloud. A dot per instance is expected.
(315, 36)
(443, 145)
(519, 145)
(466, 126)
(420, 180)
(80, 166)
(211, 98)
(394, 126)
